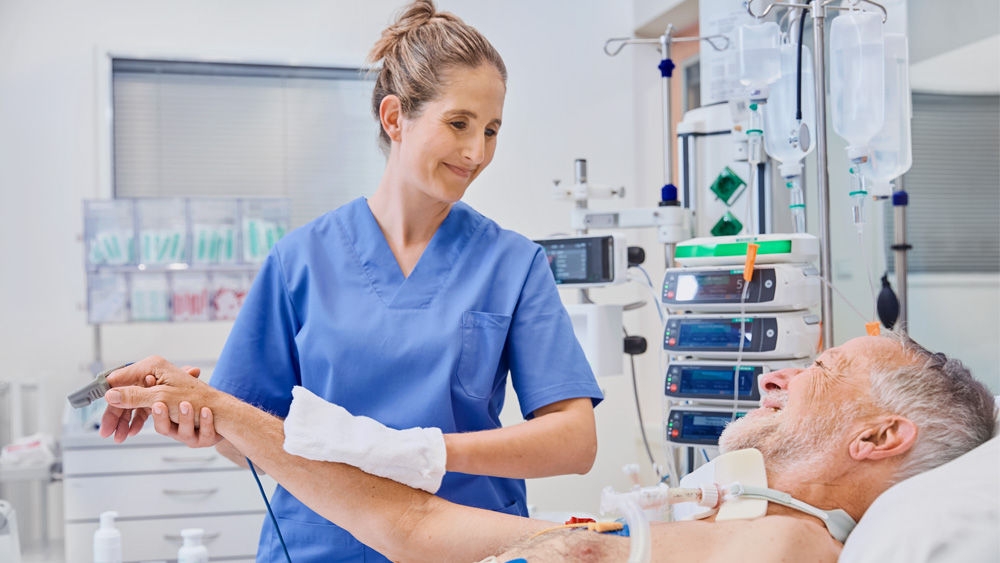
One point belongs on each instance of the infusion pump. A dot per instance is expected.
(698, 425)
(719, 382)
(733, 336)
(773, 287)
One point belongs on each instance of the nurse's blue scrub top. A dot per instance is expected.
(331, 310)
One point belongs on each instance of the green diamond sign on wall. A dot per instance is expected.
(728, 225)
(728, 186)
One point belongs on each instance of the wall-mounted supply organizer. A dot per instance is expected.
(176, 259)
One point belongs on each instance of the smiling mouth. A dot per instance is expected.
(463, 172)
(771, 404)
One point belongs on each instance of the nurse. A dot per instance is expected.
(411, 308)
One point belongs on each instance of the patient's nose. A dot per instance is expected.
(774, 380)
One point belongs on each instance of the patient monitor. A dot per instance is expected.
(587, 260)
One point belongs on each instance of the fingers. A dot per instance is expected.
(116, 421)
(130, 397)
(135, 374)
(139, 417)
(192, 371)
(196, 430)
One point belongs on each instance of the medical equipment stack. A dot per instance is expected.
(729, 323)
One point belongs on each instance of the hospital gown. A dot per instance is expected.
(331, 310)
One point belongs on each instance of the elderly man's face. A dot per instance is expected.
(805, 412)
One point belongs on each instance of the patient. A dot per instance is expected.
(864, 416)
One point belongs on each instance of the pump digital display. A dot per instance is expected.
(699, 427)
(713, 382)
(717, 286)
(581, 260)
(759, 334)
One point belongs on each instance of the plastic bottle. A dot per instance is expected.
(192, 551)
(781, 130)
(891, 148)
(857, 92)
(787, 139)
(108, 540)
(857, 77)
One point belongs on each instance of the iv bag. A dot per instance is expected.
(760, 63)
(857, 77)
(781, 130)
(891, 147)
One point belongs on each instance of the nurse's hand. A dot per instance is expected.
(196, 430)
(126, 422)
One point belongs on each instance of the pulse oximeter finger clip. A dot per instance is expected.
(93, 390)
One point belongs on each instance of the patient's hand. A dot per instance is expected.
(170, 393)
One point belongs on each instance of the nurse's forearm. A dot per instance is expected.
(227, 450)
(560, 439)
(400, 522)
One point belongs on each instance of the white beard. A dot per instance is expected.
(785, 444)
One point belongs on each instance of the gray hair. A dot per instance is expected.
(953, 411)
(416, 53)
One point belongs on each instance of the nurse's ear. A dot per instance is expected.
(390, 114)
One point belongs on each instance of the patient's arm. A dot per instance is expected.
(407, 524)
(402, 523)
(767, 539)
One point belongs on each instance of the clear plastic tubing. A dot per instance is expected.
(632, 505)
(638, 526)
(857, 77)
(760, 62)
(796, 199)
(891, 148)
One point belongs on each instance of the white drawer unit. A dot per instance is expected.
(158, 487)
(226, 537)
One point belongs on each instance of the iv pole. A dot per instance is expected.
(668, 193)
(822, 168)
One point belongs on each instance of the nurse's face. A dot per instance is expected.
(453, 138)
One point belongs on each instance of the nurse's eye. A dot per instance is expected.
(459, 125)
(491, 132)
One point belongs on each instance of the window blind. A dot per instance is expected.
(189, 129)
(953, 218)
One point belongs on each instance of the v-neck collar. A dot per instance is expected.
(433, 269)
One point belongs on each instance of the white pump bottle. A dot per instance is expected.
(108, 540)
(193, 551)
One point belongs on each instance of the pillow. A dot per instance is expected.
(948, 514)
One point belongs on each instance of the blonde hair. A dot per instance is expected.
(417, 51)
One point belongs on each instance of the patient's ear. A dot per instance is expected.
(886, 437)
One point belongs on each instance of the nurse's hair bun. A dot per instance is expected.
(418, 50)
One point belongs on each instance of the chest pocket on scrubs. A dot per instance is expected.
(483, 339)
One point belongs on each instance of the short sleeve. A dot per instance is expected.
(547, 363)
(259, 362)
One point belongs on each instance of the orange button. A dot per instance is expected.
(670, 295)
(673, 387)
(672, 341)
(674, 433)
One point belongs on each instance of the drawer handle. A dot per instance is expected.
(207, 538)
(189, 459)
(190, 492)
